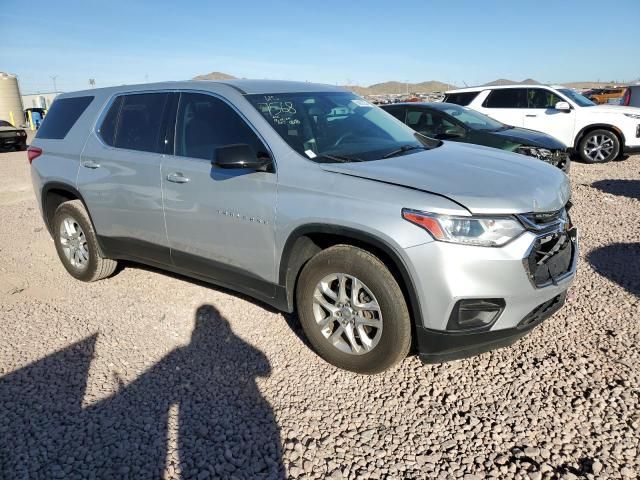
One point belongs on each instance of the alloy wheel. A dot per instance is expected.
(347, 313)
(599, 147)
(74, 243)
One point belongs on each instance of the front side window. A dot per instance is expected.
(507, 98)
(542, 98)
(337, 126)
(205, 123)
(428, 123)
(139, 121)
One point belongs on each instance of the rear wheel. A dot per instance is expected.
(76, 243)
(599, 146)
(353, 311)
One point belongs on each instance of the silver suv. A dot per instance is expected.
(307, 197)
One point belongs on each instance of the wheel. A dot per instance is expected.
(353, 311)
(599, 146)
(76, 243)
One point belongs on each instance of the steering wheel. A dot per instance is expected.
(342, 138)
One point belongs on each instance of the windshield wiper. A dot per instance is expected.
(404, 148)
(340, 158)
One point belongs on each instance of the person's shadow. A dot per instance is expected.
(197, 413)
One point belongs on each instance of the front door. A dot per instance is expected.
(543, 116)
(220, 222)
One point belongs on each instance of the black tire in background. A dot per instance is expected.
(395, 339)
(594, 137)
(97, 267)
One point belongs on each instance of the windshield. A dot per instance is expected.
(576, 97)
(4, 123)
(337, 126)
(471, 118)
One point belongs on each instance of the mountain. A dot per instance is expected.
(401, 87)
(505, 81)
(215, 76)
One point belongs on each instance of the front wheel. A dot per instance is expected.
(599, 146)
(353, 311)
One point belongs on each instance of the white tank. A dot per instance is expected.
(10, 99)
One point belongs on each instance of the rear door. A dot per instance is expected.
(543, 116)
(119, 177)
(507, 105)
(220, 222)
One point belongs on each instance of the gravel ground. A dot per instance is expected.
(147, 374)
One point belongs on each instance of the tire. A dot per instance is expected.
(599, 146)
(72, 225)
(388, 342)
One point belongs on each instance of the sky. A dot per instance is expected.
(459, 42)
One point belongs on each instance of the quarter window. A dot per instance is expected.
(462, 98)
(138, 126)
(205, 123)
(507, 98)
(62, 116)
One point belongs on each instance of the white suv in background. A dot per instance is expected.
(598, 133)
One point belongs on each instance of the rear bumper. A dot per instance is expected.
(8, 142)
(436, 346)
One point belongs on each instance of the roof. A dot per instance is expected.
(501, 87)
(244, 86)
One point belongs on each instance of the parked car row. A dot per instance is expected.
(309, 198)
(597, 133)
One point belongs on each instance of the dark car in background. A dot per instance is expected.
(447, 121)
(12, 137)
(631, 96)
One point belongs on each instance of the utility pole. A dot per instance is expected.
(55, 89)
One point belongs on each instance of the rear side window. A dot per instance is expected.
(397, 112)
(139, 122)
(108, 128)
(62, 115)
(507, 98)
(463, 98)
(205, 123)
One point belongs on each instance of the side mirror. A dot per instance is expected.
(239, 155)
(563, 106)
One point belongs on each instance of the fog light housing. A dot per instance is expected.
(475, 314)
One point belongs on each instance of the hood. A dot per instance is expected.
(606, 108)
(530, 138)
(484, 180)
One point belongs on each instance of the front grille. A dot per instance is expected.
(546, 221)
(551, 257)
(543, 311)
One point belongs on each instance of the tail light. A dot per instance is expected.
(626, 100)
(33, 153)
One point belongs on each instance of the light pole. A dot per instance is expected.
(55, 89)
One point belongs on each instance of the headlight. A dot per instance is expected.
(632, 115)
(479, 231)
(541, 153)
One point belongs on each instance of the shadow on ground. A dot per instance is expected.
(619, 262)
(622, 188)
(197, 412)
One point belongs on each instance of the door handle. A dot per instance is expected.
(531, 116)
(90, 164)
(177, 177)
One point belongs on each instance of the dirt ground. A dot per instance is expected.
(147, 374)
